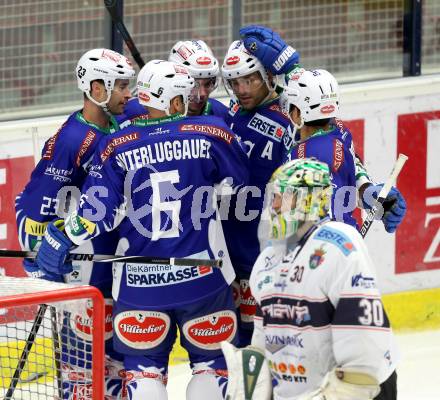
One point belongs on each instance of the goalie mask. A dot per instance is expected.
(102, 64)
(300, 191)
(160, 81)
(315, 93)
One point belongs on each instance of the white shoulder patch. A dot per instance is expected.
(263, 270)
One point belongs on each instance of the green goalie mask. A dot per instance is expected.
(300, 191)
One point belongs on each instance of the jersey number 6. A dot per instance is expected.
(169, 207)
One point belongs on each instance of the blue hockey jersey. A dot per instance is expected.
(55, 182)
(155, 180)
(267, 136)
(135, 110)
(334, 147)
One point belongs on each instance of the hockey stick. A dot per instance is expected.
(112, 8)
(56, 350)
(181, 262)
(371, 213)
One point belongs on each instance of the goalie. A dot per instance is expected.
(320, 331)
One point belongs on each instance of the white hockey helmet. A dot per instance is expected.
(239, 62)
(103, 64)
(314, 92)
(159, 81)
(197, 57)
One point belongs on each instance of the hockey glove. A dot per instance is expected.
(248, 373)
(394, 206)
(51, 256)
(275, 54)
(34, 271)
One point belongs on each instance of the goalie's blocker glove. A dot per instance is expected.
(394, 206)
(54, 249)
(272, 51)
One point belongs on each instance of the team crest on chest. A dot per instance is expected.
(317, 258)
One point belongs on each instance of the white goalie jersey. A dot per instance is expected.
(319, 308)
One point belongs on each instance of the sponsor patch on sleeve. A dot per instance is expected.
(338, 154)
(302, 150)
(50, 145)
(76, 225)
(88, 140)
(337, 238)
(362, 281)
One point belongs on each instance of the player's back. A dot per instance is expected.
(167, 171)
(334, 147)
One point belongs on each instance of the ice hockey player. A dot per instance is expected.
(321, 332)
(266, 133)
(273, 52)
(311, 99)
(257, 98)
(103, 76)
(198, 58)
(164, 169)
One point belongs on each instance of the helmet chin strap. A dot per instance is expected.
(102, 104)
(297, 126)
(271, 89)
(186, 108)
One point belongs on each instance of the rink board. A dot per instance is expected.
(413, 310)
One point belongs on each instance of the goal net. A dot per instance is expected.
(51, 340)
